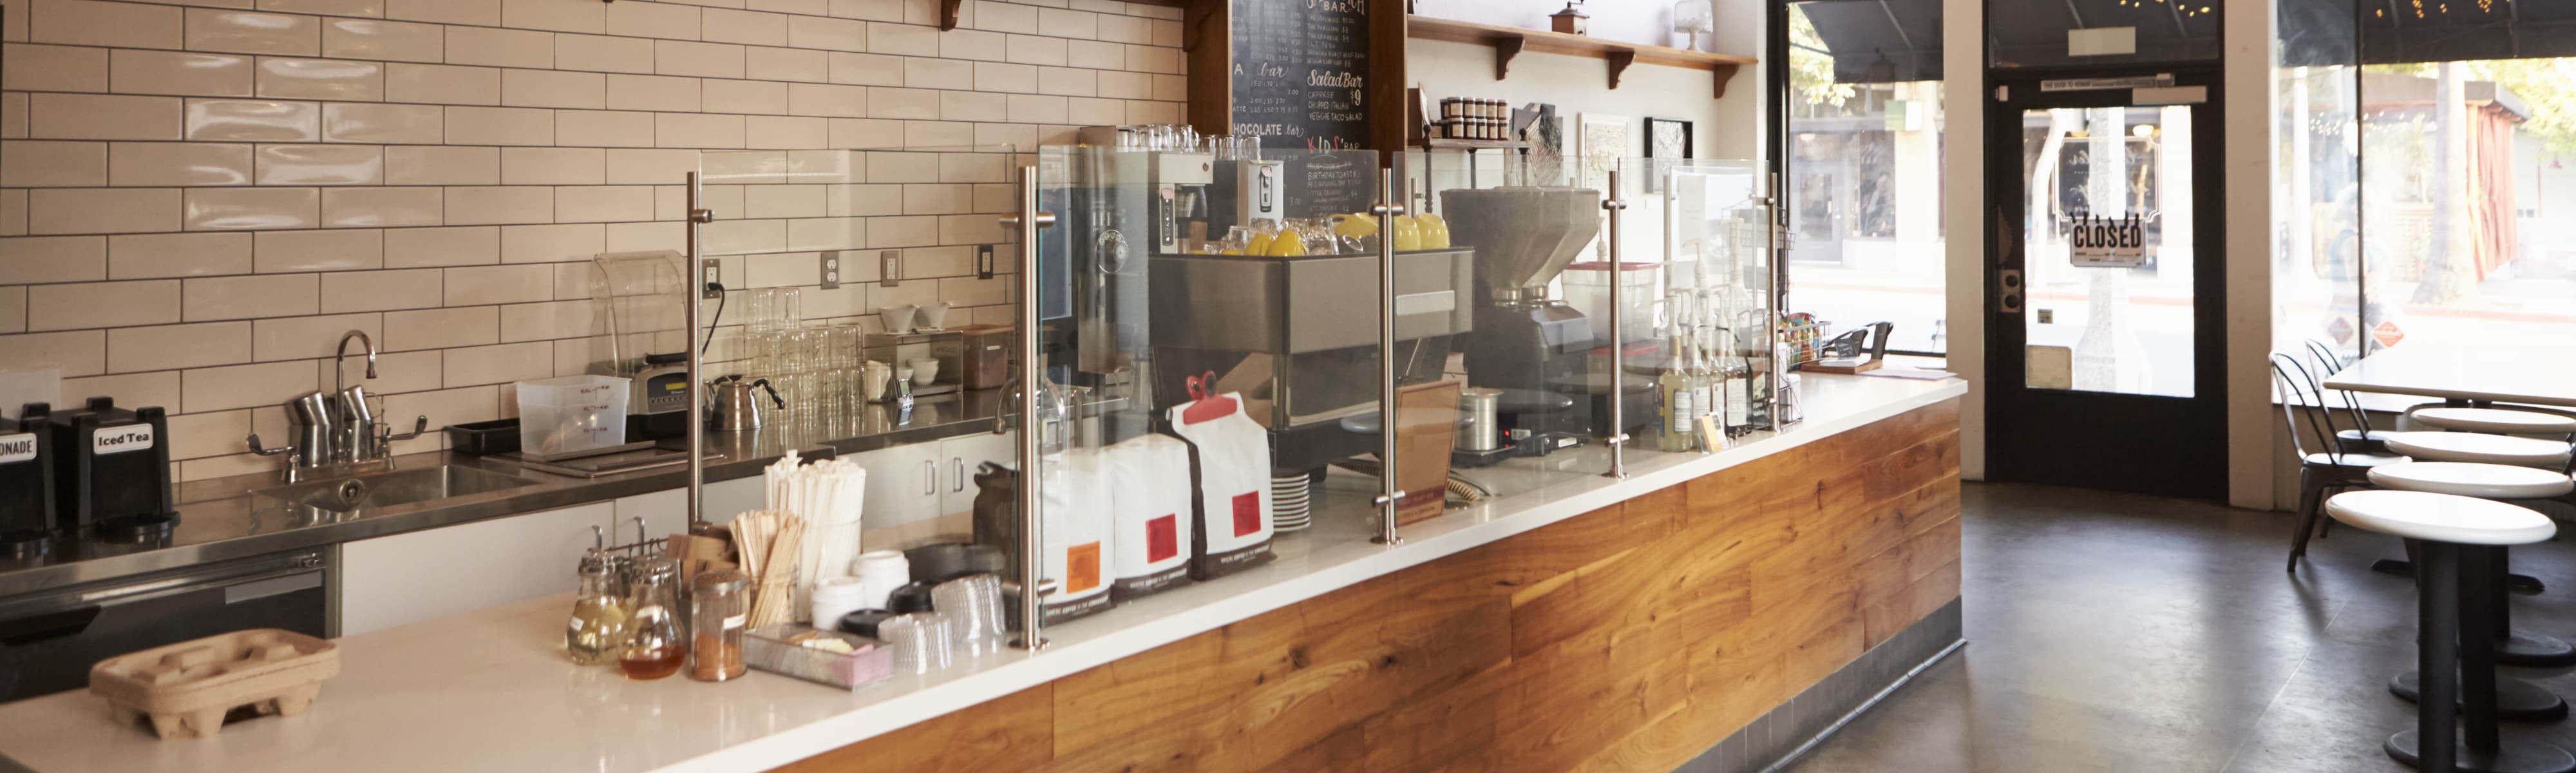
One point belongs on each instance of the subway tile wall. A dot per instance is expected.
(197, 197)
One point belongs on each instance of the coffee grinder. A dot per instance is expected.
(636, 334)
(1534, 350)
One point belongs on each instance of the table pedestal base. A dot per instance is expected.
(2513, 756)
(2516, 700)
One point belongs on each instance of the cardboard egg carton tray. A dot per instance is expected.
(186, 688)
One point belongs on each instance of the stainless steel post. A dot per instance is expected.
(1389, 496)
(1032, 545)
(1618, 389)
(698, 218)
(1772, 254)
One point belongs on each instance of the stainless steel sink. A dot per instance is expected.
(345, 498)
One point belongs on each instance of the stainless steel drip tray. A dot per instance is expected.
(646, 458)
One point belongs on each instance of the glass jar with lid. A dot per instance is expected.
(719, 605)
(597, 630)
(655, 642)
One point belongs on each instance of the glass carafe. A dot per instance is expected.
(655, 643)
(598, 628)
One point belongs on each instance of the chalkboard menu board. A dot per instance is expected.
(1329, 183)
(1300, 70)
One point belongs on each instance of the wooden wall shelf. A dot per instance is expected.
(1510, 42)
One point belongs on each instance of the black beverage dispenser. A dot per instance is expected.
(26, 484)
(112, 471)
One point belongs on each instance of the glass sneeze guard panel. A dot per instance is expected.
(1207, 315)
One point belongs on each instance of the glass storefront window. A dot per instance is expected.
(1863, 175)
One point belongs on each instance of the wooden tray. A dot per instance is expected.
(186, 688)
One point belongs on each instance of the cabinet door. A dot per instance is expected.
(958, 458)
(408, 578)
(903, 485)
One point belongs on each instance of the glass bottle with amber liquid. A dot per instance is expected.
(655, 643)
(597, 631)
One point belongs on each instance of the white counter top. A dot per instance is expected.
(490, 690)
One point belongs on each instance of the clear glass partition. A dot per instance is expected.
(1509, 236)
(1208, 316)
(864, 287)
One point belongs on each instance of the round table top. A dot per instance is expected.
(2472, 479)
(2502, 420)
(2476, 447)
(2441, 517)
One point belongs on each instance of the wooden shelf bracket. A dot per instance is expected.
(1619, 61)
(948, 13)
(1504, 49)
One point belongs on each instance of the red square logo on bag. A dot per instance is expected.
(1162, 538)
(1247, 513)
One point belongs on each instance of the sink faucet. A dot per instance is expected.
(337, 433)
(339, 374)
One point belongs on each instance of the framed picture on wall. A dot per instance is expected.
(1668, 143)
(1600, 140)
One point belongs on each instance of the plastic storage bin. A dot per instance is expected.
(1587, 289)
(563, 417)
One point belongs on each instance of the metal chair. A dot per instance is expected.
(2332, 469)
(2362, 437)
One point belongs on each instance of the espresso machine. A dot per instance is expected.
(1534, 350)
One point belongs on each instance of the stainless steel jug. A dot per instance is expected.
(737, 406)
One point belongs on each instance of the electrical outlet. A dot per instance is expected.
(890, 268)
(984, 261)
(711, 273)
(831, 270)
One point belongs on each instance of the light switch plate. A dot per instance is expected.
(890, 268)
(984, 261)
(710, 274)
(831, 270)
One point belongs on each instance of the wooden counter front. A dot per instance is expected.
(1632, 637)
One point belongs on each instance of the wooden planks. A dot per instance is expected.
(1627, 639)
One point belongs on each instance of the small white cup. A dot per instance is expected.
(925, 371)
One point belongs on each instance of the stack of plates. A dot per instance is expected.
(1291, 502)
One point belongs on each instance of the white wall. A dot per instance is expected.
(1729, 128)
(1964, 155)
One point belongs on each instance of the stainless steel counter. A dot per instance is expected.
(220, 519)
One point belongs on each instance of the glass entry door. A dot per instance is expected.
(2106, 342)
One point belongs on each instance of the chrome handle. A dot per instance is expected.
(256, 449)
(957, 466)
(1389, 496)
(929, 477)
(1032, 540)
(419, 424)
(1618, 439)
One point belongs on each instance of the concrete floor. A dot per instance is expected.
(2117, 632)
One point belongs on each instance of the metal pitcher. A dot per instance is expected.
(736, 406)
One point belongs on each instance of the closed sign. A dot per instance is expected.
(117, 440)
(17, 448)
(2097, 242)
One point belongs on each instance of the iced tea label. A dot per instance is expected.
(117, 440)
(17, 448)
